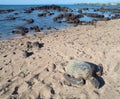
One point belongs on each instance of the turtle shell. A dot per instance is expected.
(79, 69)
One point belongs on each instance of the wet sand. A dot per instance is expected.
(41, 74)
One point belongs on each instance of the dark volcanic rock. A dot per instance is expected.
(93, 22)
(6, 11)
(70, 18)
(38, 45)
(28, 11)
(61, 16)
(24, 29)
(94, 15)
(10, 10)
(2, 11)
(11, 18)
(55, 19)
(84, 9)
(109, 10)
(16, 31)
(21, 30)
(48, 7)
(49, 14)
(74, 21)
(29, 45)
(117, 16)
(104, 19)
(80, 11)
(30, 21)
(42, 15)
(27, 54)
(16, 13)
(115, 10)
(79, 16)
(41, 28)
(49, 28)
(35, 28)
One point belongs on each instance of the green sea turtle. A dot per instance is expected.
(77, 72)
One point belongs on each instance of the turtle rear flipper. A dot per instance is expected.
(75, 81)
(95, 82)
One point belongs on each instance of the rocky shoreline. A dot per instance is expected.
(65, 15)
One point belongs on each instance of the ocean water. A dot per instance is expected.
(7, 26)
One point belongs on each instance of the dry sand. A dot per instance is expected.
(41, 74)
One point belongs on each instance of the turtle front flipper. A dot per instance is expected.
(94, 81)
(75, 81)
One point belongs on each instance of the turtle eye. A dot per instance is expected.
(84, 68)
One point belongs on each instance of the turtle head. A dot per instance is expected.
(100, 70)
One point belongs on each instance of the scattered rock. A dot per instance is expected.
(29, 45)
(52, 91)
(27, 54)
(53, 66)
(38, 45)
(14, 53)
(5, 55)
(15, 91)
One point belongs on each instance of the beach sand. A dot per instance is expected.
(41, 74)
